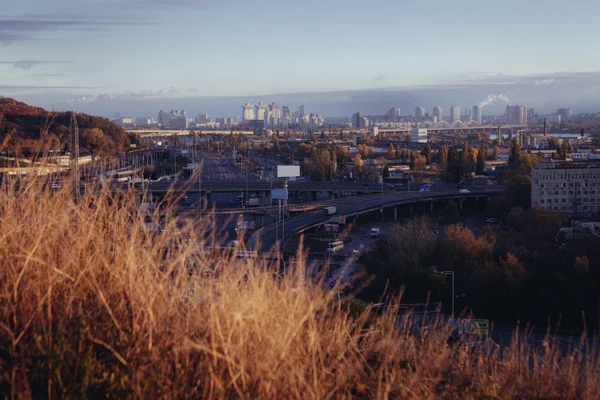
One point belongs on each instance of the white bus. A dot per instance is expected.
(335, 246)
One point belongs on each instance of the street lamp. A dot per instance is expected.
(452, 274)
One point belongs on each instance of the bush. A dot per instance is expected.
(93, 305)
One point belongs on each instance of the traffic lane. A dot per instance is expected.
(267, 236)
(367, 241)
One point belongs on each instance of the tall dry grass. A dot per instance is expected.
(92, 305)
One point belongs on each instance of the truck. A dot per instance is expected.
(374, 232)
(330, 210)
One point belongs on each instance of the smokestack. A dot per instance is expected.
(544, 126)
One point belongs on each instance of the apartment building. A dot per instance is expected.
(567, 187)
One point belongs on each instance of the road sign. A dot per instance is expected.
(279, 194)
(338, 219)
(332, 228)
(480, 327)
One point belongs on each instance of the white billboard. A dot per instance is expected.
(288, 171)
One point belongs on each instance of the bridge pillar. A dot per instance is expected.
(313, 195)
(431, 207)
(395, 213)
(411, 211)
(460, 204)
(330, 195)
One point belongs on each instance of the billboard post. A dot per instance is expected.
(285, 172)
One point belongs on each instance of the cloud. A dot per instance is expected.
(7, 38)
(21, 29)
(19, 89)
(28, 64)
(48, 75)
(145, 94)
(546, 82)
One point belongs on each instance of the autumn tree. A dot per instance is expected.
(480, 164)
(426, 152)
(391, 152)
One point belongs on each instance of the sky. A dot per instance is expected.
(79, 49)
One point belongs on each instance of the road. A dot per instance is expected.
(267, 236)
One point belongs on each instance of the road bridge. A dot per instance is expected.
(265, 238)
(443, 126)
(149, 133)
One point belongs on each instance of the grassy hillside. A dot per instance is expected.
(92, 305)
(25, 130)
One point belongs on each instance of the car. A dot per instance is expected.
(464, 191)
(55, 186)
(366, 184)
(491, 220)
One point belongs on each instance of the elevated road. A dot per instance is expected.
(235, 185)
(265, 239)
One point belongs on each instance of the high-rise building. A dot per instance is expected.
(420, 112)
(302, 110)
(516, 115)
(455, 113)
(275, 114)
(202, 118)
(286, 114)
(359, 121)
(163, 119)
(247, 112)
(173, 120)
(565, 114)
(355, 120)
(476, 116)
(261, 109)
(393, 112)
(437, 113)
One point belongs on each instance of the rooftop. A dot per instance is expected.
(567, 164)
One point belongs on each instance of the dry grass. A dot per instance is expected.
(92, 306)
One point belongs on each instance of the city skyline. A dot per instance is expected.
(68, 51)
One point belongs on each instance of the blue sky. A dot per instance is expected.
(252, 47)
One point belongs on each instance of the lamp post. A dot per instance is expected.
(452, 274)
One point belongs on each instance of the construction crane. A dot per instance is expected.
(74, 159)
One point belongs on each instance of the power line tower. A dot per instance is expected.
(74, 159)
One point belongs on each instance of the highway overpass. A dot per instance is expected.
(265, 239)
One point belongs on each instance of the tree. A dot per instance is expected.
(443, 155)
(582, 265)
(480, 165)
(514, 157)
(426, 152)
(391, 152)
(495, 153)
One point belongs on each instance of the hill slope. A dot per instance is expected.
(25, 129)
